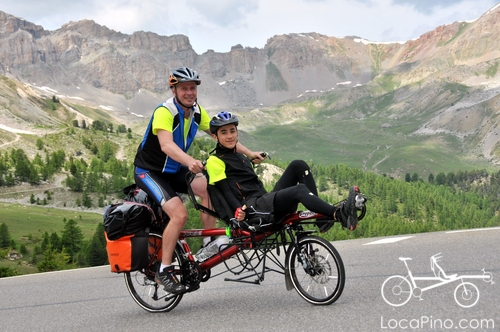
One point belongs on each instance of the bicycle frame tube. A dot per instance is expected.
(414, 279)
(224, 254)
(202, 232)
(441, 283)
(232, 250)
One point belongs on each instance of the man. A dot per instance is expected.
(233, 174)
(161, 164)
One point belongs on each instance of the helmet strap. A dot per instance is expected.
(188, 107)
(222, 146)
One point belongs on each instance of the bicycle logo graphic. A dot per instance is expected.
(397, 290)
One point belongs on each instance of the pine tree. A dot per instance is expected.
(55, 242)
(97, 252)
(34, 177)
(72, 238)
(4, 236)
(86, 200)
(22, 165)
(53, 260)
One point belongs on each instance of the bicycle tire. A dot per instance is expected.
(396, 290)
(142, 286)
(316, 270)
(466, 294)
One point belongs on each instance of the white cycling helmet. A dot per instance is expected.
(183, 74)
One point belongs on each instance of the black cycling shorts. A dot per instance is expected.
(162, 186)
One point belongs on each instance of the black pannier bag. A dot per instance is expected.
(136, 194)
(126, 228)
(127, 218)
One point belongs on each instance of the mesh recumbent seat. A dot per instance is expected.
(225, 213)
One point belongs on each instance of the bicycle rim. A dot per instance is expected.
(396, 291)
(141, 284)
(466, 294)
(316, 270)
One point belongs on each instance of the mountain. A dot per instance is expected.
(89, 56)
(438, 93)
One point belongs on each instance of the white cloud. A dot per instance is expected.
(220, 24)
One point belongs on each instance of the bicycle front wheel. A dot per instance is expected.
(142, 285)
(466, 294)
(316, 270)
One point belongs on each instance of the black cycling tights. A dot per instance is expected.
(297, 172)
(295, 186)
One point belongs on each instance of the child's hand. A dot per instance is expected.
(239, 214)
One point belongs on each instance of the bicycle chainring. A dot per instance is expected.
(191, 275)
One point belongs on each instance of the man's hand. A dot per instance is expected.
(239, 214)
(258, 157)
(195, 166)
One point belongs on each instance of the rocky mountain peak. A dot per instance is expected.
(151, 41)
(10, 24)
(87, 54)
(90, 29)
(446, 82)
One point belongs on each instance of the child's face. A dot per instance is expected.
(228, 136)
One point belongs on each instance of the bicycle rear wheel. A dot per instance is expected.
(142, 286)
(316, 270)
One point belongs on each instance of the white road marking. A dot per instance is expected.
(474, 230)
(389, 240)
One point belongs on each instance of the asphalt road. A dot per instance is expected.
(95, 299)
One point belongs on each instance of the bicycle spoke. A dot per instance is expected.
(142, 287)
(316, 270)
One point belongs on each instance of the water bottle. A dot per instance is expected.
(222, 243)
(213, 248)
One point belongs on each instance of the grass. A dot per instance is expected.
(274, 80)
(384, 150)
(93, 113)
(461, 29)
(31, 222)
(27, 225)
(492, 70)
(6, 136)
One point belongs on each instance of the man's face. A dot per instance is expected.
(228, 136)
(186, 93)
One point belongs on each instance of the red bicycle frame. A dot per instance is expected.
(233, 249)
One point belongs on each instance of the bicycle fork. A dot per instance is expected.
(301, 257)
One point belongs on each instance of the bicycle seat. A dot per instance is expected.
(438, 270)
(404, 259)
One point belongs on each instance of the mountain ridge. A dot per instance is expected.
(97, 55)
(445, 82)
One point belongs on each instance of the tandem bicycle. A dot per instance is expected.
(312, 266)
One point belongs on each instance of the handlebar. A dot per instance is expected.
(265, 154)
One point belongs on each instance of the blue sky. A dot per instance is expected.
(220, 24)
